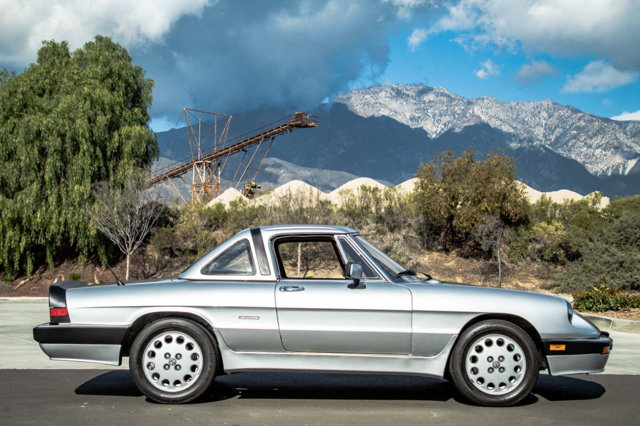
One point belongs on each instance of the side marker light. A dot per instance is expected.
(557, 347)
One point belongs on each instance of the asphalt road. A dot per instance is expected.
(95, 397)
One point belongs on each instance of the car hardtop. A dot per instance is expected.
(258, 240)
(269, 231)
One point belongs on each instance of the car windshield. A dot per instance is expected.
(391, 267)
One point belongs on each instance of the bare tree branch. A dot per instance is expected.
(126, 216)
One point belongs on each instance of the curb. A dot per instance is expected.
(613, 324)
(23, 299)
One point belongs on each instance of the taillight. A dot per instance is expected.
(58, 312)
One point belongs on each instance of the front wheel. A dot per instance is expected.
(173, 360)
(494, 363)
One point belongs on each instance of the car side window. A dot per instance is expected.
(236, 260)
(313, 258)
(352, 256)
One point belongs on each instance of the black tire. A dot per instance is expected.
(494, 363)
(173, 360)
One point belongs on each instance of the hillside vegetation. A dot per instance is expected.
(468, 205)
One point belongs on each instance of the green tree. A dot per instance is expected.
(454, 194)
(69, 120)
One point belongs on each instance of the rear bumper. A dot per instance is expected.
(102, 354)
(578, 356)
(81, 343)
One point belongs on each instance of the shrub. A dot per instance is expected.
(194, 230)
(386, 217)
(609, 252)
(74, 277)
(545, 241)
(295, 208)
(603, 298)
(454, 194)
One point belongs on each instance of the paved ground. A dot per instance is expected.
(96, 397)
(18, 316)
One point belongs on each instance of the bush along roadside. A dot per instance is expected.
(603, 298)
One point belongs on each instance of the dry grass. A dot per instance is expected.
(451, 268)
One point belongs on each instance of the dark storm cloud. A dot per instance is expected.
(238, 56)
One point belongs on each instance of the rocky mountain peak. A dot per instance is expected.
(605, 147)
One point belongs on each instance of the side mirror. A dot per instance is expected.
(354, 272)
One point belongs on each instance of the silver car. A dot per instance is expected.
(317, 299)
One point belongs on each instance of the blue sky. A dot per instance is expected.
(235, 56)
(441, 61)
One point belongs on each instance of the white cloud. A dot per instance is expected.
(598, 76)
(405, 8)
(228, 56)
(605, 28)
(533, 72)
(487, 70)
(417, 37)
(25, 24)
(625, 116)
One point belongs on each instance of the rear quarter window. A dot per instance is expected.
(236, 260)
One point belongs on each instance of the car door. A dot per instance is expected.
(318, 311)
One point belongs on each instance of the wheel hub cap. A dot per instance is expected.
(172, 361)
(495, 364)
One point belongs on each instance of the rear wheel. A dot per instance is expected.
(173, 360)
(494, 363)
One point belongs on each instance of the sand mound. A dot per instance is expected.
(297, 189)
(532, 195)
(301, 191)
(560, 196)
(604, 202)
(337, 195)
(297, 186)
(227, 197)
(408, 186)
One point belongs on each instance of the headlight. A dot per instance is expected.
(569, 311)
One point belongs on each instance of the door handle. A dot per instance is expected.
(290, 288)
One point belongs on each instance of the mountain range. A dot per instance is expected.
(385, 132)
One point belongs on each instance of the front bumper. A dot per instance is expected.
(81, 343)
(578, 356)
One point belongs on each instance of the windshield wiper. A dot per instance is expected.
(429, 277)
(412, 273)
(405, 272)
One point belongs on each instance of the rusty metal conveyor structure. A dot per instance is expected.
(207, 168)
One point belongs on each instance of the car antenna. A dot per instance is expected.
(114, 275)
